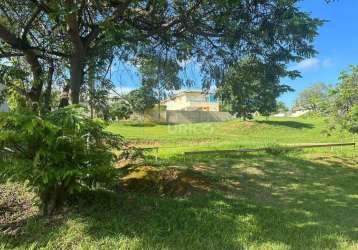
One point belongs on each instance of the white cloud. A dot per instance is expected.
(308, 64)
(313, 64)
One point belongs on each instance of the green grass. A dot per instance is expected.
(300, 200)
(173, 139)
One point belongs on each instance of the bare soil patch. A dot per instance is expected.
(166, 182)
(16, 205)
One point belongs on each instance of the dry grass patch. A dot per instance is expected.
(16, 205)
(170, 181)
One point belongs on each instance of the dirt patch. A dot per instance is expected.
(16, 205)
(140, 143)
(166, 182)
(204, 168)
(248, 124)
(253, 171)
(243, 124)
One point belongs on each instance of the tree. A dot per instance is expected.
(343, 109)
(353, 120)
(27, 34)
(215, 33)
(252, 86)
(141, 99)
(313, 98)
(161, 75)
(281, 107)
(120, 110)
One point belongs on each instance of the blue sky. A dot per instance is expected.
(337, 46)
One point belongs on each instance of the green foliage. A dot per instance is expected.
(281, 107)
(15, 81)
(252, 86)
(315, 98)
(58, 153)
(344, 107)
(120, 110)
(160, 74)
(353, 120)
(157, 36)
(15, 100)
(141, 99)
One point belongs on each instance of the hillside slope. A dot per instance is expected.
(231, 134)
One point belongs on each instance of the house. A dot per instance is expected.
(299, 112)
(191, 101)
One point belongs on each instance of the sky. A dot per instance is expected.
(337, 46)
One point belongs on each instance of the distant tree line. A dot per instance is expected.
(339, 103)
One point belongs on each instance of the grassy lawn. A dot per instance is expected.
(300, 200)
(174, 139)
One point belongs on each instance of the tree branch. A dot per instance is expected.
(34, 15)
(10, 54)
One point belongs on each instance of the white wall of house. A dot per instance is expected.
(190, 102)
(299, 113)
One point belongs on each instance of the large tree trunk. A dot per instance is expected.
(76, 81)
(37, 74)
(78, 50)
(80, 47)
(48, 92)
(31, 58)
(91, 83)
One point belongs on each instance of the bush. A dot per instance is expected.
(353, 120)
(120, 110)
(57, 153)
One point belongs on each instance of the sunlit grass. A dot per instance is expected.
(174, 139)
(255, 202)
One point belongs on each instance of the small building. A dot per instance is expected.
(299, 112)
(192, 101)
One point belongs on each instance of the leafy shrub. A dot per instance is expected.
(353, 120)
(120, 110)
(57, 153)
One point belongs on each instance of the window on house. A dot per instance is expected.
(211, 98)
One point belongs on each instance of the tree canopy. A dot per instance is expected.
(344, 108)
(46, 35)
(252, 86)
(141, 99)
(313, 98)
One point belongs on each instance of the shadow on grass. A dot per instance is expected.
(141, 124)
(290, 124)
(256, 201)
